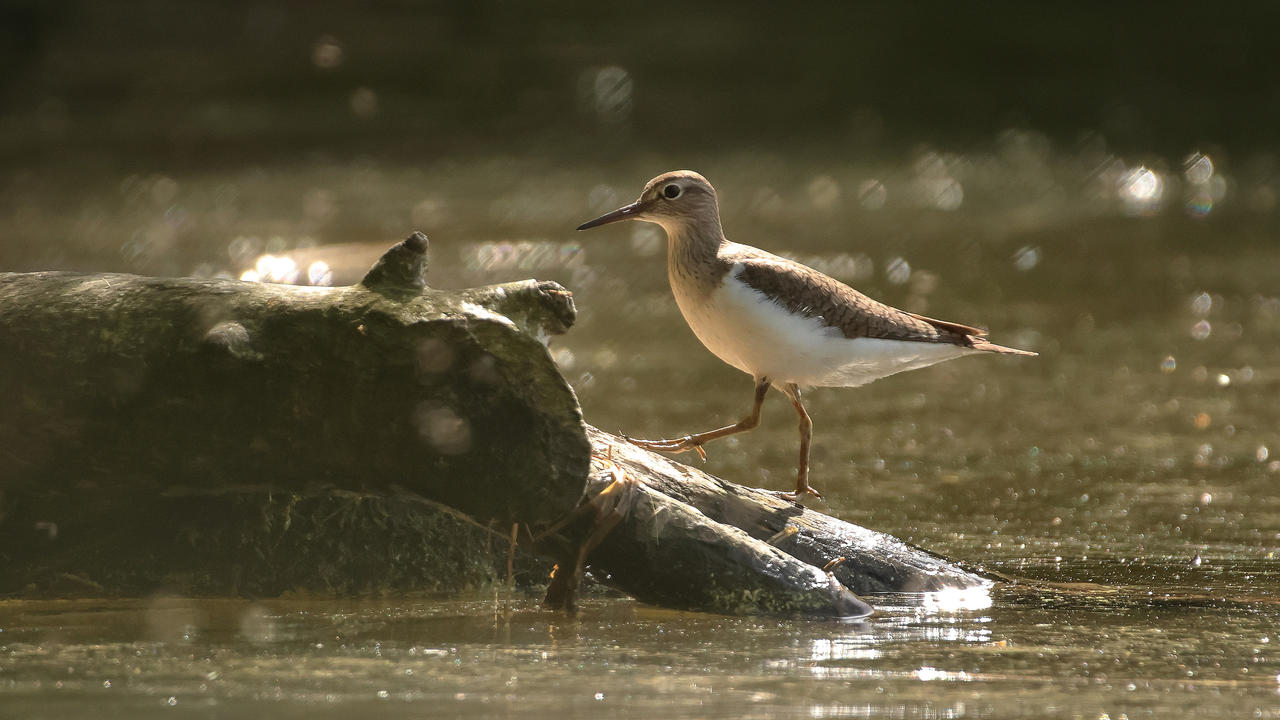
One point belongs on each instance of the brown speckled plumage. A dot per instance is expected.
(812, 294)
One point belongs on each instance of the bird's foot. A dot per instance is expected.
(799, 493)
(679, 445)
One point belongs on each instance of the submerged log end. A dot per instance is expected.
(874, 562)
(402, 269)
(664, 552)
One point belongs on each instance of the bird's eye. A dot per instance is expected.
(671, 192)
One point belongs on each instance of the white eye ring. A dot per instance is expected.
(671, 192)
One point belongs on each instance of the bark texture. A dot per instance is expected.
(874, 562)
(154, 384)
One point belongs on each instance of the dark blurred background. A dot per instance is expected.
(251, 116)
(135, 83)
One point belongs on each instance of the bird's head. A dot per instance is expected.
(674, 200)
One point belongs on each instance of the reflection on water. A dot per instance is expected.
(1132, 465)
(1031, 653)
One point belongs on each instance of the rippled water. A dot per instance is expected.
(1129, 472)
(1029, 654)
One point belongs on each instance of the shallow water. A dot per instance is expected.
(1027, 653)
(1132, 465)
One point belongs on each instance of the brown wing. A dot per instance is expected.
(951, 327)
(807, 292)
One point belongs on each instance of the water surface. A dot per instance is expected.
(1129, 470)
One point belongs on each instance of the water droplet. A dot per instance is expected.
(1201, 330)
(1168, 365)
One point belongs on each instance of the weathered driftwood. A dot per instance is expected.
(873, 561)
(218, 436)
(665, 552)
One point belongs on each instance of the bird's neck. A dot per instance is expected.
(693, 243)
(693, 253)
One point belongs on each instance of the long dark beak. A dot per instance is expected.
(622, 213)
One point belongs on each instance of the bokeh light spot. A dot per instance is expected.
(442, 428)
(319, 273)
(872, 194)
(824, 192)
(364, 103)
(1201, 304)
(1026, 257)
(897, 271)
(326, 52)
(1142, 191)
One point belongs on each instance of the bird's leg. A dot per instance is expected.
(806, 434)
(695, 442)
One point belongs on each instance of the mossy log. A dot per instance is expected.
(135, 383)
(217, 436)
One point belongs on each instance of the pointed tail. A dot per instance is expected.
(980, 343)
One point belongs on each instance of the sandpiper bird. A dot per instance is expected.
(784, 324)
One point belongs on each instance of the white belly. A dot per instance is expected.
(742, 327)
